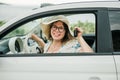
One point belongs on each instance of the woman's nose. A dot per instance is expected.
(57, 29)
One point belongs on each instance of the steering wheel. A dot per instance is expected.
(15, 44)
(30, 46)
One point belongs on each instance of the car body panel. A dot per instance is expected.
(117, 60)
(58, 67)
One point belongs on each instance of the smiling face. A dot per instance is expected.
(57, 31)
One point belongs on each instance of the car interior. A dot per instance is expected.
(18, 41)
(116, 40)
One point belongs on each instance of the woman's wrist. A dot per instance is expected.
(80, 39)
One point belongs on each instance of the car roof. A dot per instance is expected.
(86, 4)
(91, 4)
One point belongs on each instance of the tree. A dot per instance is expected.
(2, 22)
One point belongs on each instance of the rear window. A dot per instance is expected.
(114, 17)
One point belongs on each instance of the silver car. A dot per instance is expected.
(21, 58)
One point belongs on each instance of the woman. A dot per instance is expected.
(57, 31)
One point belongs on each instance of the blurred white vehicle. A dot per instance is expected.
(22, 59)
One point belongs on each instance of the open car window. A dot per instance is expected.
(84, 21)
(19, 40)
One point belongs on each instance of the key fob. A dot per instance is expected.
(75, 33)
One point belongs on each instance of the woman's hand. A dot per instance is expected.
(84, 46)
(38, 40)
(80, 32)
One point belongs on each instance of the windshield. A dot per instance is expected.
(24, 29)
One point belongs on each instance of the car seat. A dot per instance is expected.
(116, 40)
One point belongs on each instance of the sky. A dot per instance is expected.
(38, 2)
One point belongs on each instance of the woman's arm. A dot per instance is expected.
(84, 46)
(38, 40)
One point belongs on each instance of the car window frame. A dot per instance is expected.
(114, 9)
(100, 49)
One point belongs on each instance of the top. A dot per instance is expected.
(71, 46)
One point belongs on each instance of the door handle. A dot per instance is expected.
(94, 78)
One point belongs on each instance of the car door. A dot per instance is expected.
(65, 66)
(115, 31)
(117, 59)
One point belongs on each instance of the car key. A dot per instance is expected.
(75, 33)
